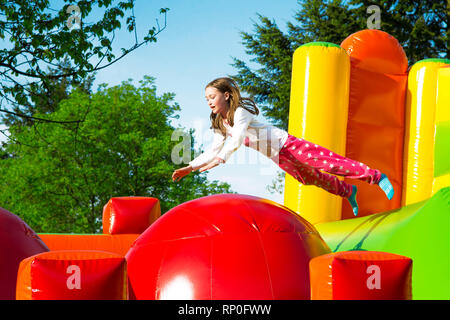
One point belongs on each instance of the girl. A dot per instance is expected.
(235, 117)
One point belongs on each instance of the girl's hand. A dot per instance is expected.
(210, 165)
(180, 173)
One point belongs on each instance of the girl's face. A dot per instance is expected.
(217, 101)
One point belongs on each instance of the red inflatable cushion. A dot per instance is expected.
(72, 275)
(361, 275)
(130, 214)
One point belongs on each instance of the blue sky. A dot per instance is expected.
(196, 47)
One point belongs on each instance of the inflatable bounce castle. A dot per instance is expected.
(359, 99)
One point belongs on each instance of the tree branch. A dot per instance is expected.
(37, 118)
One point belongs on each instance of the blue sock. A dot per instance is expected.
(352, 200)
(386, 186)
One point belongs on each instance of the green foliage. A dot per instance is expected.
(58, 177)
(420, 27)
(45, 98)
(39, 37)
(270, 84)
(277, 184)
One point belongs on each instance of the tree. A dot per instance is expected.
(270, 84)
(45, 100)
(421, 27)
(41, 37)
(58, 177)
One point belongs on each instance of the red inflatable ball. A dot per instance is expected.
(225, 246)
(18, 242)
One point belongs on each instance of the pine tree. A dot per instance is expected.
(421, 27)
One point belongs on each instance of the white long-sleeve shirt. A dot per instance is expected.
(262, 137)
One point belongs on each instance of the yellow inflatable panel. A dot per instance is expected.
(440, 182)
(318, 113)
(442, 136)
(443, 95)
(420, 128)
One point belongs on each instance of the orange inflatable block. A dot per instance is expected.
(72, 275)
(376, 115)
(130, 214)
(117, 243)
(360, 275)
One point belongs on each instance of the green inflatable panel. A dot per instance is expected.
(420, 231)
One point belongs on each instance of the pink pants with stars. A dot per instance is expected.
(310, 163)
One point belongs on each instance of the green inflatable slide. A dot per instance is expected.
(420, 231)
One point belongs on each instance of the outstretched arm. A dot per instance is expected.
(203, 160)
(216, 161)
(178, 174)
(208, 156)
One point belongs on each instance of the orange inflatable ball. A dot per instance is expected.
(224, 246)
(72, 275)
(17, 242)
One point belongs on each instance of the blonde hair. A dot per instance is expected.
(229, 85)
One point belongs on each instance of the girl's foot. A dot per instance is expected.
(352, 200)
(386, 186)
